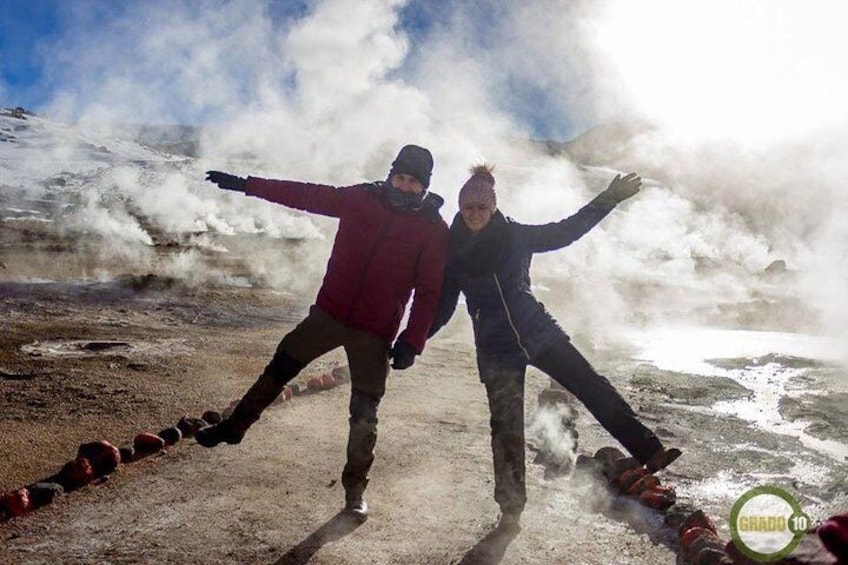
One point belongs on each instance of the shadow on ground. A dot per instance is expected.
(334, 529)
(490, 549)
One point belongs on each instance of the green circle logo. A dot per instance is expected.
(767, 523)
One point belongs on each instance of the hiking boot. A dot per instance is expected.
(257, 398)
(662, 459)
(223, 432)
(357, 508)
(509, 521)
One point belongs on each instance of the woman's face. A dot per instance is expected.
(476, 215)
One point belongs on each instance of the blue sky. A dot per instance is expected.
(763, 69)
(36, 34)
(23, 25)
(31, 29)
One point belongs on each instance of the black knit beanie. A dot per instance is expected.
(414, 161)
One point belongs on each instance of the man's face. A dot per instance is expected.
(476, 215)
(407, 183)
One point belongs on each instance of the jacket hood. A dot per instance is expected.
(432, 203)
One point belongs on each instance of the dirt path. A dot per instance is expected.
(273, 498)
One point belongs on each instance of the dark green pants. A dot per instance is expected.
(503, 376)
(368, 361)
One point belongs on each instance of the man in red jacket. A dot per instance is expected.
(391, 240)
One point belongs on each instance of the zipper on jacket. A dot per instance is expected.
(359, 290)
(509, 317)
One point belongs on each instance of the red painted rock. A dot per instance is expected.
(621, 466)
(704, 540)
(643, 484)
(76, 474)
(711, 554)
(287, 394)
(212, 417)
(736, 556)
(314, 384)
(15, 503)
(146, 444)
(703, 547)
(629, 478)
(188, 426)
(103, 456)
(659, 497)
(171, 435)
(43, 493)
(697, 518)
(327, 381)
(694, 534)
(678, 514)
(833, 534)
(606, 456)
(341, 374)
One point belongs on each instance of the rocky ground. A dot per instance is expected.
(105, 361)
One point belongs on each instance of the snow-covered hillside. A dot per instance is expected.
(92, 206)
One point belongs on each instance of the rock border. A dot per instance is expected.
(699, 542)
(97, 460)
(698, 537)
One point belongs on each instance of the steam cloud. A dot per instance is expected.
(742, 148)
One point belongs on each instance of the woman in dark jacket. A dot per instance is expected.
(489, 262)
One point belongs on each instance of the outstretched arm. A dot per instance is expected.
(548, 237)
(316, 198)
(619, 190)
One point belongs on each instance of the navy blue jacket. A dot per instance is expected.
(492, 270)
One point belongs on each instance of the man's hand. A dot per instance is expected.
(622, 188)
(226, 181)
(402, 355)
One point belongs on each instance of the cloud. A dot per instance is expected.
(751, 72)
(743, 155)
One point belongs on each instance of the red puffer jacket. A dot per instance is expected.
(379, 255)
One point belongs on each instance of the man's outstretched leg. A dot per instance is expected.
(360, 451)
(282, 369)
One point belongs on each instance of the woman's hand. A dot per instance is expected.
(622, 188)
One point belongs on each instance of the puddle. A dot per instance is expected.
(762, 362)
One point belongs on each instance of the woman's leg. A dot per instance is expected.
(568, 367)
(504, 383)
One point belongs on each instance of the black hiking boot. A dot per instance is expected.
(223, 432)
(509, 521)
(257, 398)
(357, 508)
(662, 459)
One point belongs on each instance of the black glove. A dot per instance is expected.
(227, 181)
(402, 355)
(619, 190)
